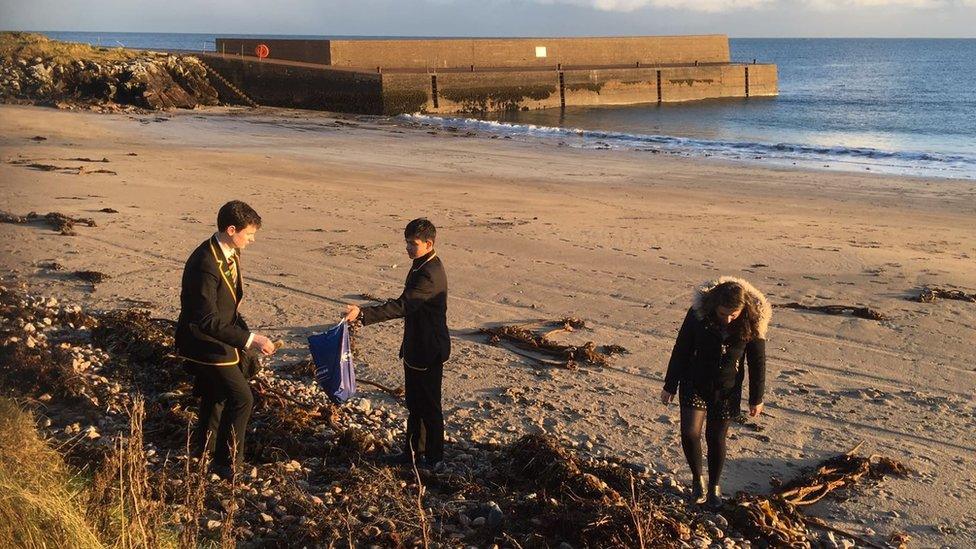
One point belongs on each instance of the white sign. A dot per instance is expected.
(540, 51)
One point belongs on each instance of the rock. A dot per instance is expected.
(213, 524)
(478, 522)
(266, 518)
(495, 515)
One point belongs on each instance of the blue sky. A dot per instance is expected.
(737, 18)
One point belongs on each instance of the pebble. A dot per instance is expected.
(479, 522)
(213, 524)
(495, 514)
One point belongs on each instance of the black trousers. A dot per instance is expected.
(425, 419)
(225, 408)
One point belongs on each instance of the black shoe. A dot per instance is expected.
(223, 471)
(698, 490)
(715, 498)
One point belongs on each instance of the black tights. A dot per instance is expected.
(691, 430)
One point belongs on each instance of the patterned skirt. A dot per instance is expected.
(721, 405)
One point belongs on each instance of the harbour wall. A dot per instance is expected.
(489, 52)
(483, 75)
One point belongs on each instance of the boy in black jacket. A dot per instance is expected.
(212, 337)
(426, 342)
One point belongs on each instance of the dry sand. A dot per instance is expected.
(531, 231)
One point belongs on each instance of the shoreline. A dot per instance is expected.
(840, 159)
(530, 231)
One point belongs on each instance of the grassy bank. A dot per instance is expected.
(28, 45)
(44, 502)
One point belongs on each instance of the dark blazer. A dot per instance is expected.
(210, 330)
(714, 370)
(423, 307)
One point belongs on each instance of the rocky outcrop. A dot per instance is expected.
(148, 80)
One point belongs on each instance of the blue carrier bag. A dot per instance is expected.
(334, 370)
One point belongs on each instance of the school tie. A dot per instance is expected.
(232, 267)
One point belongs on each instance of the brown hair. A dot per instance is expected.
(733, 296)
(238, 214)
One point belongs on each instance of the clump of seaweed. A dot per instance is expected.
(60, 222)
(932, 294)
(93, 277)
(778, 521)
(536, 337)
(853, 310)
(842, 471)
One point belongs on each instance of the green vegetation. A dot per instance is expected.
(27, 45)
(46, 503)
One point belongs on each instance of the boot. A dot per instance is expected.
(715, 497)
(698, 490)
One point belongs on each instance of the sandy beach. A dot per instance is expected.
(530, 231)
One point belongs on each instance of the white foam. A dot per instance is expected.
(851, 158)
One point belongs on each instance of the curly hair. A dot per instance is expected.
(733, 296)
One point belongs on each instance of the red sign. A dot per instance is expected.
(262, 51)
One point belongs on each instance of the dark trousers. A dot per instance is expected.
(225, 408)
(425, 419)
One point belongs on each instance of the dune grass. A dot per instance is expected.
(41, 504)
(28, 46)
(45, 503)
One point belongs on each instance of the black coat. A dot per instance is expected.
(423, 307)
(715, 370)
(209, 329)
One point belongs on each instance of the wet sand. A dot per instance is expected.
(529, 231)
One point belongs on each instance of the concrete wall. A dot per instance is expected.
(467, 92)
(300, 87)
(490, 52)
(309, 51)
(522, 52)
(763, 81)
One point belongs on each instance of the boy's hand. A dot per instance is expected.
(666, 397)
(265, 345)
(352, 312)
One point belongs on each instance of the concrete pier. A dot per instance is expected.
(479, 75)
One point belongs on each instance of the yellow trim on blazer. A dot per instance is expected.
(432, 256)
(235, 363)
(220, 267)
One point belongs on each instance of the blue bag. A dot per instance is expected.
(334, 370)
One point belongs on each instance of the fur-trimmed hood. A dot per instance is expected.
(761, 324)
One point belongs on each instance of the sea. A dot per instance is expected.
(897, 106)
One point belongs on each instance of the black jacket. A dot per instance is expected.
(210, 330)
(713, 368)
(423, 307)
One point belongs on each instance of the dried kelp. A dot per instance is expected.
(774, 521)
(536, 338)
(94, 277)
(931, 294)
(838, 472)
(853, 310)
(60, 222)
(778, 521)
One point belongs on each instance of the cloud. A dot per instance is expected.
(717, 6)
(687, 5)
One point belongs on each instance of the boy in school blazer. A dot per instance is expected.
(426, 342)
(212, 337)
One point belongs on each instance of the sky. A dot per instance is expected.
(736, 18)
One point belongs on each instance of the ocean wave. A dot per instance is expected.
(905, 162)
